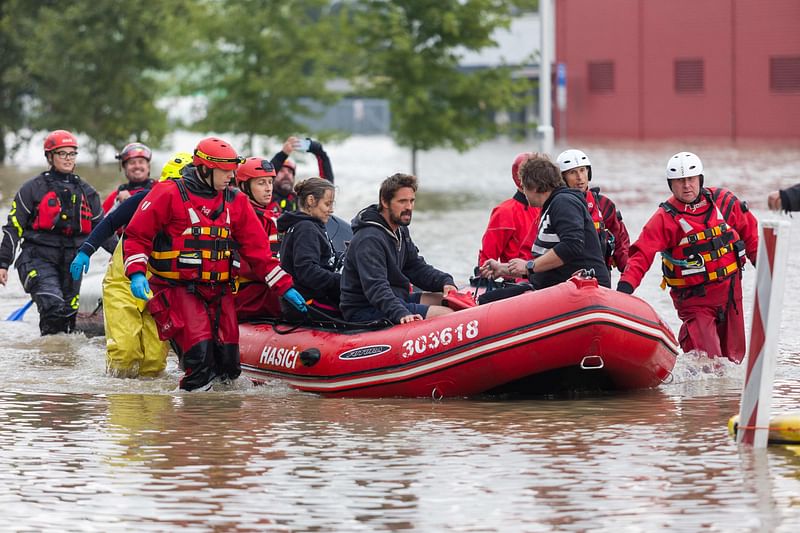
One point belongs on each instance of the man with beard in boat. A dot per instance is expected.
(133, 346)
(187, 233)
(566, 242)
(283, 195)
(134, 160)
(703, 235)
(254, 298)
(51, 216)
(382, 262)
(510, 231)
(576, 169)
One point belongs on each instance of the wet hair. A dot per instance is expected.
(539, 174)
(315, 187)
(394, 183)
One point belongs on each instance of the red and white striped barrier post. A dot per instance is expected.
(754, 410)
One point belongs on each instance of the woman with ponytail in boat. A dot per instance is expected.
(307, 252)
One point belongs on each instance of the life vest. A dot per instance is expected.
(204, 252)
(710, 250)
(605, 236)
(61, 212)
(267, 219)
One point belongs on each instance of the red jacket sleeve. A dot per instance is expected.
(659, 233)
(498, 233)
(153, 213)
(254, 246)
(746, 225)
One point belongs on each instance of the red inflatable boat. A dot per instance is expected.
(571, 337)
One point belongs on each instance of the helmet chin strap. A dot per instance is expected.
(206, 175)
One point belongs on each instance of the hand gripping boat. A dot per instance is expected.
(574, 336)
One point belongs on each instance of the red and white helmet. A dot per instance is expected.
(213, 152)
(572, 158)
(254, 168)
(291, 165)
(59, 139)
(521, 158)
(132, 150)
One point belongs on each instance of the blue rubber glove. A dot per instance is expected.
(140, 287)
(296, 299)
(79, 266)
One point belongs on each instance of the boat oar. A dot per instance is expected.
(19, 313)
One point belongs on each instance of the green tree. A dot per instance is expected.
(267, 62)
(412, 54)
(95, 66)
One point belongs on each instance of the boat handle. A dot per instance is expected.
(592, 362)
(669, 378)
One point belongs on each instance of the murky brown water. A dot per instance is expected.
(80, 451)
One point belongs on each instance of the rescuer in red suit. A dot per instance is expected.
(509, 234)
(704, 235)
(134, 159)
(255, 298)
(189, 233)
(576, 169)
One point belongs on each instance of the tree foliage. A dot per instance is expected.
(413, 50)
(93, 68)
(262, 71)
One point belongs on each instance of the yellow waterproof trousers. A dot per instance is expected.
(132, 344)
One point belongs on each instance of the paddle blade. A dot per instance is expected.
(19, 313)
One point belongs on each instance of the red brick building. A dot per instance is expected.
(653, 69)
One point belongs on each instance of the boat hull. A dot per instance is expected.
(573, 336)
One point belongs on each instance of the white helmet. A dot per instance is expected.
(684, 165)
(572, 158)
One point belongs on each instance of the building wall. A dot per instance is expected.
(723, 48)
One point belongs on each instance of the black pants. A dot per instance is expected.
(502, 293)
(44, 273)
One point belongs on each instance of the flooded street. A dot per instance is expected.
(82, 451)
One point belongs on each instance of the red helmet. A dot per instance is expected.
(290, 164)
(134, 150)
(213, 152)
(59, 139)
(254, 168)
(521, 158)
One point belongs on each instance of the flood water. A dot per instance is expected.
(82, 451)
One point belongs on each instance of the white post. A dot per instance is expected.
(754, 411)
(545, 129)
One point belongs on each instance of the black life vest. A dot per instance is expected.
(61, 211)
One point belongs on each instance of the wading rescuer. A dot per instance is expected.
(133, 346)
(703, 234)
(189, 233)
(134, 160)
(254, 298)
(50, 217)
(576, 169)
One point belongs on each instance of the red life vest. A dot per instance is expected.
(61, 212)
(203, 253)
(710, 250)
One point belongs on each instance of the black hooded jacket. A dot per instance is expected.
(307, 254)
(380, 265)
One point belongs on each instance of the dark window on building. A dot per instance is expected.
(689, 76)
(601, 77)
(784, 74)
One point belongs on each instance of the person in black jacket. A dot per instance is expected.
(50, 217)
(306, 250)
(382, 262)
(567, 240)
(785, 199)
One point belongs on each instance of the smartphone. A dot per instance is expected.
(303, 145)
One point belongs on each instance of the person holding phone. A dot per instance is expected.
(283, 195)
